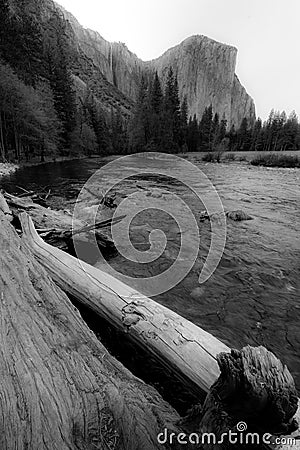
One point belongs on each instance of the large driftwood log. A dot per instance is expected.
(254, 390)
(56, 226)
(59, 387)
(180, 345)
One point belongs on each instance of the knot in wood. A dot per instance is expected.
(131, 315)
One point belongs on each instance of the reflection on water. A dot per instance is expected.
(254, 295)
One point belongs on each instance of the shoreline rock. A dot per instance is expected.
(7, 169)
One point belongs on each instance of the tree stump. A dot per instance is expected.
(254, 388)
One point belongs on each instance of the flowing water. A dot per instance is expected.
(254, 295)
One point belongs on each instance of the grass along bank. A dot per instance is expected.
(276, 160)
(267, 159)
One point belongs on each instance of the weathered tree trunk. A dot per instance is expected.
(179, 344)
(255, 391)
(59, 387)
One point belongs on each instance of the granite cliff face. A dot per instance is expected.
(205, 70)
(206, 75)
(242, 105)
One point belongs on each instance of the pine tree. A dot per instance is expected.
(222, 129)
(177, 116)
(27, 117)
(57, 59)
(171, 120)
(193, 134)
(257, 136)
(101, 130)
(119, 138)
(291, 133)
(206, 129)
(244, 136)
(156, 95)
(168, 136)
(155, 114)
(183, 123)
(139, 124)
(232, 136)
(268, 132)
(6, 31)
(94, 117)
(215, 132)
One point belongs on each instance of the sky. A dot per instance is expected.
(265, 32)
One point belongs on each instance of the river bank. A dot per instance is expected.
(227, 158)
(9, 168)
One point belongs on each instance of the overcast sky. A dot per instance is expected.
(266, 33)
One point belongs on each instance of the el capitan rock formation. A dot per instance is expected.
(206, 75)
(205, 70)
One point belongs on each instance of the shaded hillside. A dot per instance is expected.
(45, 109)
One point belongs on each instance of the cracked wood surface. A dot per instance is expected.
(178, 343)
(59, 387)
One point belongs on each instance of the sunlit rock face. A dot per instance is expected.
(242, 105)
(205, 70)
(206, 75)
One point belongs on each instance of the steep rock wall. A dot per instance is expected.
(242, 104)
(205, 70)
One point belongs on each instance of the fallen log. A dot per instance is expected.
(190, 353)
(59, 387)
(59, 224)
(175, 341)
(40, 199)
(102, 224)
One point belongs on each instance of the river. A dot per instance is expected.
(253, 296)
